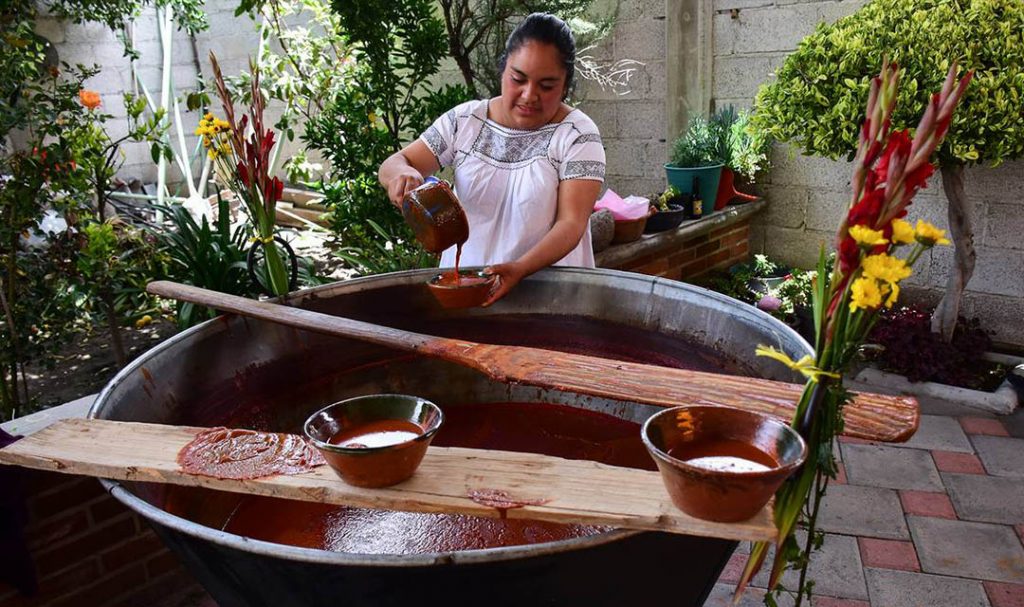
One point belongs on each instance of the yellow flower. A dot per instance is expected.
(208, 116)
(864, 293)
(866, 237)
(884, 267)
(929, 235)
(893, 292)
(142, 322)
(902, 232)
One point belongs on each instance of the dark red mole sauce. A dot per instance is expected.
(555, 430)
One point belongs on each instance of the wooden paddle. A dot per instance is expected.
(868, 416)
(549, 488)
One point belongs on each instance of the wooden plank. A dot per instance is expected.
(565, 491)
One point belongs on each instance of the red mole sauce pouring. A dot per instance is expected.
(437, 219)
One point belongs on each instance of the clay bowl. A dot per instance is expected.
(377, 440)
(721, 463)
(435, 216)
(472, 289)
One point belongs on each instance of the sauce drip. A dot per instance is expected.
(246, 454)
(379, 433)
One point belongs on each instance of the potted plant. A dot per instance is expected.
(697, 158)
(669, 211)
(746, 155)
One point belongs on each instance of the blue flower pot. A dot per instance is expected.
(682, 179)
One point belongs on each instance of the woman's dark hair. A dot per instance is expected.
(549, 29)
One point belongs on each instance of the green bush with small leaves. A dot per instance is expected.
(817, 101)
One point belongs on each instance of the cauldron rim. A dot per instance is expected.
(313, 555)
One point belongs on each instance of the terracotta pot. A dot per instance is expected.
(376, 461)
(435, 216)
(471, 290)
(629, 230)
(720, 463)
(727, 192)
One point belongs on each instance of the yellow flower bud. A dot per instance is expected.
(902, 232)
(866, 237)
(929, 235)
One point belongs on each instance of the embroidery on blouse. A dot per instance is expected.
(588, 138)
(435, 141)
(512, 148)
(577, 169)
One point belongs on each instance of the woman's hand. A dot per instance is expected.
(404, 170)
(402, 183)
(509, 275)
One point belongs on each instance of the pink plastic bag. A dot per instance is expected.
(623, 209)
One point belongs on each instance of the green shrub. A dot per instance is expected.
(703, 144)
(818, 98)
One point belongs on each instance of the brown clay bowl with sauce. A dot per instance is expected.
(376, 440)
(435, 216)
(472, 288)
(721, 463)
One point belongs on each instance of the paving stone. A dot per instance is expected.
(878, 466)
(983, 425)
(721, 596)
(1002, 456)
(891, 588)
(864, 511)
(1015, 422)
(836, 569)
(989, 499)
(927, 503)
(964, 463)
(1020, 531)
(938, 432)
(888, 554)
(1005, 595)
(830, 601)
(733, 569)
(981, 551)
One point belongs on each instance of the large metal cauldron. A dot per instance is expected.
(240, 372)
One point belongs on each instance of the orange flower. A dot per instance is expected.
(90, 99)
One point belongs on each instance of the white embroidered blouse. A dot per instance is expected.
(507, 179)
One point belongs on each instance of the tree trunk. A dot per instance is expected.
(962, 234)
(115, 329)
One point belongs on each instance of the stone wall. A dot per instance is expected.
(807, 195)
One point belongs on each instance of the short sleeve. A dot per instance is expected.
(440, 136)
(584, 156)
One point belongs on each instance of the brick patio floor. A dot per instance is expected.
(934, 522)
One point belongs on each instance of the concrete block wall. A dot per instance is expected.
(633, 125)
(233, 39)
(808, 195)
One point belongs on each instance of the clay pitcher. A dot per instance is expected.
(435, 216)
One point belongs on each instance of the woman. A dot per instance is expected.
(528, 168)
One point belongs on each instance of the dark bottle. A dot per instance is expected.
(696, 204)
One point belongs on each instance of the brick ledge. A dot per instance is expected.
(618, 255)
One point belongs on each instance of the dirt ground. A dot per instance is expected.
(87, 363)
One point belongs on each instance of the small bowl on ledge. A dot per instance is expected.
(377, 440)
(721, 463)
(470, 289)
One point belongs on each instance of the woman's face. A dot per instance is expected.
(532, 85)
